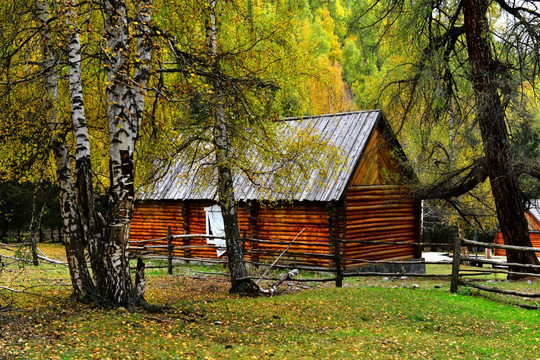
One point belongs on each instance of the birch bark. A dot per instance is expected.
(83, 165)
(125, 104)
(71, 230)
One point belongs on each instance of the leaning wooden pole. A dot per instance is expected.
(279, 257)
(455, 265)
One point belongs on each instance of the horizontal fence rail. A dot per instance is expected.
(498, 268)
(321, 257)
(499, 246)
(330, 258)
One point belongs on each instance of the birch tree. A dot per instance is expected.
(83, 164)
(125, 105)
(80, 277)
(128, 73)
(231, 69)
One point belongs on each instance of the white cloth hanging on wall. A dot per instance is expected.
(215, 226)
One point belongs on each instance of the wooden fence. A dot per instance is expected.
(19, 251)
(497, 268)
(179, 248)
(167, 248)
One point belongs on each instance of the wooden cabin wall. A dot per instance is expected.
(533, 235)
(370, 213)
(284, 222)
(197, 225)
(377, 165)
(380, 213)
(151, 218)
(379, 210)
(278, 222)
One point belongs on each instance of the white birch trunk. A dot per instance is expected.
(83, 165)
(78, 116)
(125, 103)
(80, 277)
(114, 281)
(141, 78)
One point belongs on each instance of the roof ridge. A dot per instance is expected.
(295, 118)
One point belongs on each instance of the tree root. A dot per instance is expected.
(245, 287)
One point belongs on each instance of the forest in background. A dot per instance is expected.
(290, 58)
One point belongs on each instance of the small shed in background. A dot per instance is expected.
(355, 200)
(533, 219)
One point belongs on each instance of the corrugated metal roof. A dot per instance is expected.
(534, 209)
(347, 132)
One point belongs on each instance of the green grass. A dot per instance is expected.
(370, 318)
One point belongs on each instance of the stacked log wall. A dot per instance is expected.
(197, 225)
(380, 213)
(285, 222)
(151, 219)
(533, 235)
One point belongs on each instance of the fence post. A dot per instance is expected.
(455, 265)
(339, 270)
(35, 259)
(169, 250)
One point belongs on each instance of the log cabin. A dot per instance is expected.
(360, 196)
(532, 214)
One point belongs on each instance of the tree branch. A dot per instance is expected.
(456, 184)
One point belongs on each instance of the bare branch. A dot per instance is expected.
(455, 184)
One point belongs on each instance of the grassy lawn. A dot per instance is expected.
(369, 318)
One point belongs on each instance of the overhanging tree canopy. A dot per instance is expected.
(477, 67)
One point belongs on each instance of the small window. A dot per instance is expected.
(214, 226)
